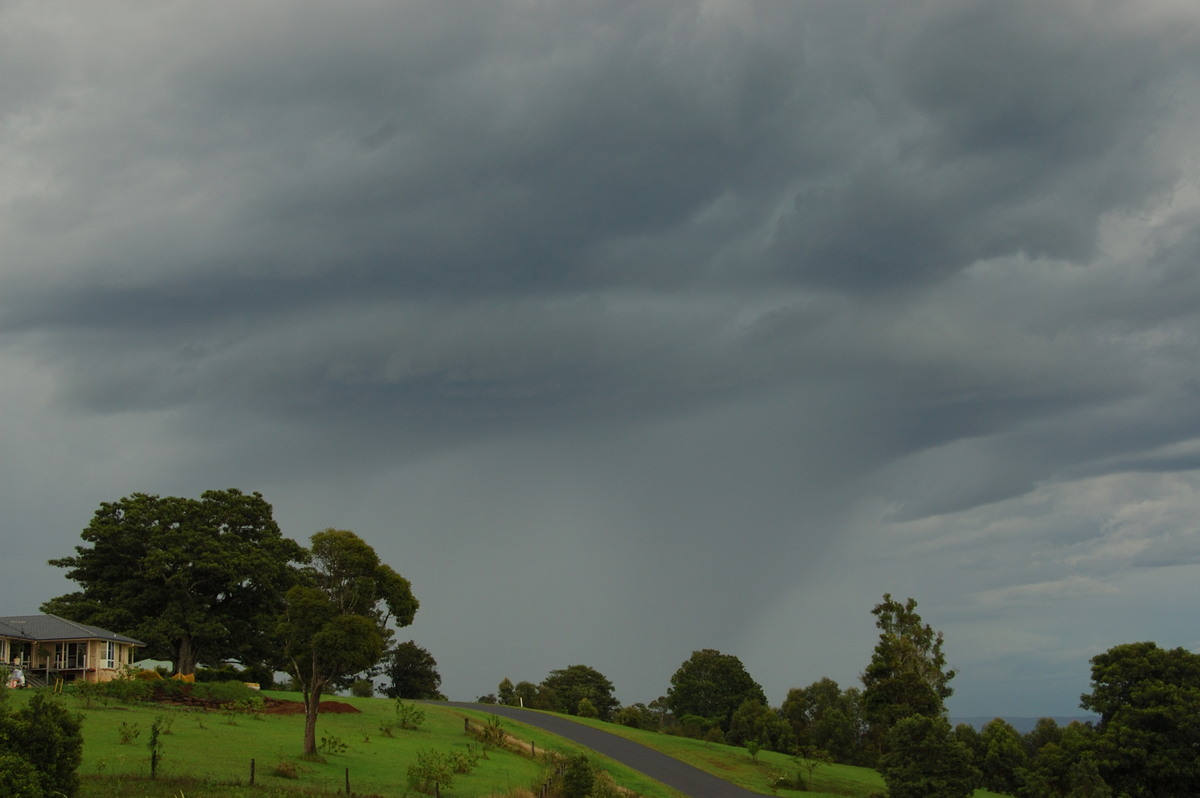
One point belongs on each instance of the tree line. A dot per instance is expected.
(213, 580)
(1146, 742)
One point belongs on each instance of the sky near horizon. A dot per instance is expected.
(629, 329)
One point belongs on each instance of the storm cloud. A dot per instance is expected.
(625, 330)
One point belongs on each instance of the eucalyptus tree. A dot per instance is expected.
(907, 674)
(337, 619)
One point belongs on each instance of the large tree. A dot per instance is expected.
(413, 673)
(826, 717)
(196, 580)
(712, 685)
(1001, 756)
(336, 621)
(924, 760)
(1148, 699)
(907, 674)
(574, 683)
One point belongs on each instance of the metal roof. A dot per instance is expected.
(52, 627)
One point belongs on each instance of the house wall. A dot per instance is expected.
(95, 668)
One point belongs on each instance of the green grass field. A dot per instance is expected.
(209, 753)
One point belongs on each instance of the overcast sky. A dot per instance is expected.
(628, 329)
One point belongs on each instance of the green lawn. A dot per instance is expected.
(210, 754)
(736, 765)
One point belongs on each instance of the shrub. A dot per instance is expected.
(332, 744)
(89, 693)
(431, 771)
(18, 776)
(286, 770)
(155, 745)
(491, 734)
(605, 787)
(465, 761)
(221, 673)
(408, 715)
(362, 688)
(129, 732)
(49, 739)
(128, 691)
(224, 692)
(578, 777)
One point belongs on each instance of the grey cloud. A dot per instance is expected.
(678, 289)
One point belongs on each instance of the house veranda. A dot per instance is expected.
(48, 648)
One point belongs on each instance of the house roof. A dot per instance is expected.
(52, 627)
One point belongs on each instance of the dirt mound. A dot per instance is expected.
(276, 706)
(271, 706)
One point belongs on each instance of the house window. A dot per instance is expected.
(3, 651)
(70, 656)
(110, 655)
(19, 654)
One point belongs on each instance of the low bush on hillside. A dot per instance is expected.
(225, 696)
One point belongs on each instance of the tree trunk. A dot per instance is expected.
(312, 707)
(185, 657)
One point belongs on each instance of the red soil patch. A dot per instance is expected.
(275, 706)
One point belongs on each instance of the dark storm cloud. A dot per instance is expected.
(723, 284)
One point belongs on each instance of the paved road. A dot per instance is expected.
(670, 771)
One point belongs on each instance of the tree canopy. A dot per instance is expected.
(1148, 699)
(907, 674)
(924, 760)
(335, 621)
(712, 685)
(572, 684)
(412, 672)
(196, 580)
(826, 717)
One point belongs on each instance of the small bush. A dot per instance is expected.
(332, 744)
(605, 787)
(431, 771)
(286, 770)
(578, 777)
(362, 688)
(465, 761)
(408, 715)
(222, 673)
(90, 693)
(128, 732)
(782, 781)
(492, 734)
(128, 691)
(155, 745)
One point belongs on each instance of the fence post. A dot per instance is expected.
(251, 772)
(347, 781)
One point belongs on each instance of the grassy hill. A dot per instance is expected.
(209, 753)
